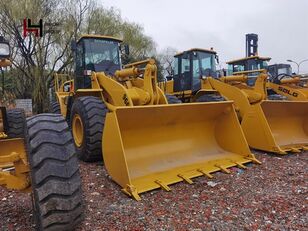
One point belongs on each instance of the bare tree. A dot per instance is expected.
(166, 58)
(37, 58)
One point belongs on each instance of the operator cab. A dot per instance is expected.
(190, 66)
(96, 53)
(280, 69)
(239, 66)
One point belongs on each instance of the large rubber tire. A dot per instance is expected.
(55, 107)
(54, 170)
(16, 123)
(210, 98)
(92, 112)
(173, 99)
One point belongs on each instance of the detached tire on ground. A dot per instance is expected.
(16, 123)
(54, 171)
(55, 107)
(210, 98)
(87, 122)
(173, 99)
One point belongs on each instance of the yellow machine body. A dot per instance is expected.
(188, 67)
(295, 89)
(14, 169)
(188, 95)
(274, 126)
(148, 144)
(154, 146)
(63, 87)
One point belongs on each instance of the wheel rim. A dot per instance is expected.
(77, 130)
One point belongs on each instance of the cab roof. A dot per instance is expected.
(196, 49)
(248, 58)
(106, 37)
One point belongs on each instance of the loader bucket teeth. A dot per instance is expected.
(305, 148)
(189, 181)
(223, 169)
(254, 160)
(295, 150)
(205, 173)
(239, 165)
(163, 185)
(277, 126)
(150, 147)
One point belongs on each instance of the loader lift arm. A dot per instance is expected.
(269, 125)
(283, 82)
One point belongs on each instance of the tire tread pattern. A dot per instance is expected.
(55, 107)
(92, 112)
(16, 123)
(55, 177)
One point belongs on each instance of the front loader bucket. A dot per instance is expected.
(10, 149)
(149, 147)
(277, 126)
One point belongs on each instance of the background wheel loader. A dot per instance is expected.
(283, 82)
(37, 155)
(146, 143)
(278, 126)
(188, 68)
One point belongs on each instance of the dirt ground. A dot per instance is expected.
(271, 196)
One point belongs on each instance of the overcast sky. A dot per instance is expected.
(282, 25)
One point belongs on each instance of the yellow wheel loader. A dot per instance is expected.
(275, 126)
(188, 69)
(37, 155)
(283, 82)
(270, 122)
(146, 143)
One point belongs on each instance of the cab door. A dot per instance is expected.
(196, 73)
(182, 78)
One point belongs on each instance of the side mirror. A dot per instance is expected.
(126, 49)
(73, 45)
(5, 48)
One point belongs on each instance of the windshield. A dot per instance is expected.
(247, 65)
(207, 61)
(102, 55)
(285, 70)
(235, 68)
(203, 64)
(256, 64)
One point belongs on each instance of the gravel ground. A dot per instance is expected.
(271, 196)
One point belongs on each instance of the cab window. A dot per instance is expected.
(185, 65)
(196, 68)
(176, 66)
